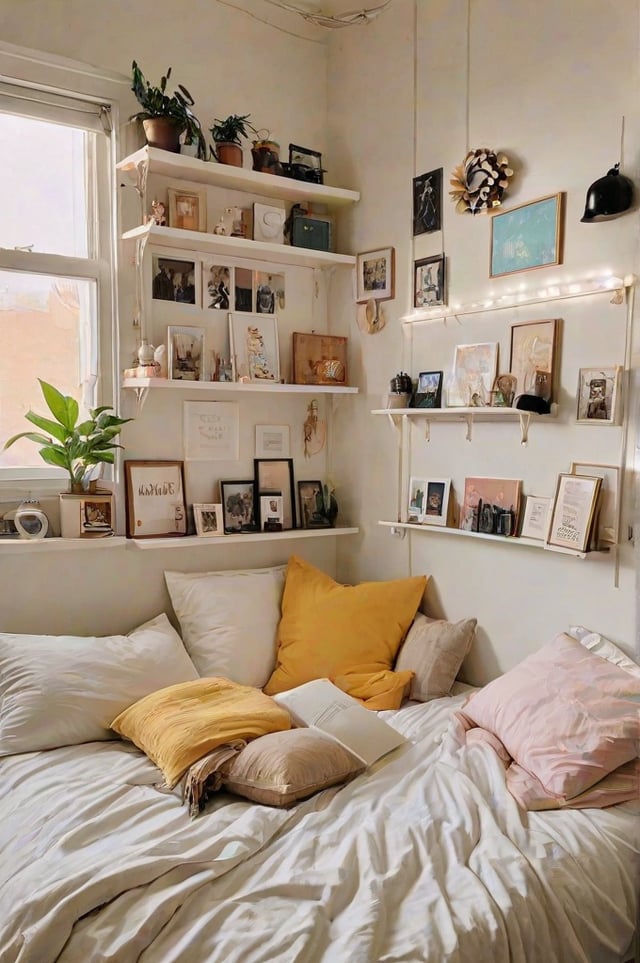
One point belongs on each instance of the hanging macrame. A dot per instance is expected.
(480, 181)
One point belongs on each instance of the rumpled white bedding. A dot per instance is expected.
(424, 858)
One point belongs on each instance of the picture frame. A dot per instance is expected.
(427, 202)
(534, 348)
(238, 506)
(275, 476)
(154, 499)
(271, 512)
(319, 359)
(255, 351)
(527, 237)
(306, 164)
(273, 441)
(598, 396)
(211, 430)
(375, 275)
(503, 393)
(269, 292)
(609, 502)
(208, 519)
(174, 279)
(217, 285)
(474, 371)
(415, 506)
(186, 352)
(535, 517)
(491, 505)
(573, 511)
(436, 501)
(428, 390)
(429, 281)
(187, 209)
(313, 512)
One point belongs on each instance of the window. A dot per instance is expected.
(56, 257)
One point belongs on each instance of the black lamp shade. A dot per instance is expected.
(608, 197)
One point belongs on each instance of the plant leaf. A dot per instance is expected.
(31, 435)
(59, 405)
(51, 427)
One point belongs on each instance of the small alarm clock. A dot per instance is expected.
(30, 520)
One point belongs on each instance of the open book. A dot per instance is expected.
(322, 705)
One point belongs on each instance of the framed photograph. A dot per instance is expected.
(503, 393)
(275, 476)
(243, 290)
(526, 237)
(428, 288)
(185, 350)
(306, 163)
(173, 279)
(375, 272)
(187, 209)
(217, 283)
(255, 353)
(535, 517)
(313, 511)
(155, 505)
(427, 202)
(417, 490)
(271, 510)
(598, 395)
(436, 501)
(273, 441)
(208, 519)
(573, 511)
(429, 390)
(534, 349)
(474, 371)
(269, 290)
(491, 505)
(608, 509)
(238, 506)
(319, 359)
(210, 431)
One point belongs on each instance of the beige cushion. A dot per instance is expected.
(282, 767)
(434, 650)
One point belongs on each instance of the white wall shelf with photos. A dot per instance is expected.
(192, 541)
(275, 387)
(400, 416)
(19, 546)
(181, 167)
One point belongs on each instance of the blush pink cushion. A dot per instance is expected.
(565, 715)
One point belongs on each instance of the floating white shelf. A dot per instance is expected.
(504, 540)
(238, 386)
(467, 415)
(33, 545)
(180, 166)
(193, 541)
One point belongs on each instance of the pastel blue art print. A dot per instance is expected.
(526, 237)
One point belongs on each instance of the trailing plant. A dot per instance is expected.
(66, 444)
(156, 103)
(230, 130)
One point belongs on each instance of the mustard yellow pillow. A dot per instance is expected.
(347, 633)
(178, 725)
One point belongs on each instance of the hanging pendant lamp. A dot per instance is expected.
(608, 197)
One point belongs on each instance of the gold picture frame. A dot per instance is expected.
(573, 511)
(187, 209)
(527, 237)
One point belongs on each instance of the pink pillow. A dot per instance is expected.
(565, 715)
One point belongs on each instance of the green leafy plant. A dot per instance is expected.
(66, 444)
(230, 130)
(176, 107)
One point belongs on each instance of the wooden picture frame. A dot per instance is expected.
(598, 397)
(208, 519)
(312, 508)
(187, 209)
(319, 359)
(527, 237)
(274, 476)
(375, 275)
(609, 501)
(427, 202)
(429, 281)
(154, 496)
(534, 348)
(573, 511)
(255, 350)
(474, 371)
(238, 499)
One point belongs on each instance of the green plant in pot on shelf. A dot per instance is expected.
(165, 117)
(77, 446)
(227, 136)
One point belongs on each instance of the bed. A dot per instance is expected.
(425, 856)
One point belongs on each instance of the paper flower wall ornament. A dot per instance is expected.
(480, 181)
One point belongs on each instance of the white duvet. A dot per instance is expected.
(424, 858)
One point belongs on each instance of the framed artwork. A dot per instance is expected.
(306, 164)
(274, 476)
(185, 350)
(503, 392)
(217, 284)
(255, 352)
(313, 511)
(534, 350)
(429, 390)
(208, 519)
(427, 202)
(319, 359)
(238, 506)
(173, 279)
(598, 395)
(417, 489)
(428, 288)
(535, 517)
(491, 505)
(155, 505)
(243, 290)
(526, 237)
(375, 275)
(436, 501)
(187, 209)
(573, 511)
(273, 441)
(474, 371)
(608, 509)
(210, 431)
(271, 511)
(269, 290)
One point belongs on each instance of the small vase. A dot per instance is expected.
(145, 352)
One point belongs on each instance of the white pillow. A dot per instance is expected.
(229, 620)
(604, 647)
(61, 690)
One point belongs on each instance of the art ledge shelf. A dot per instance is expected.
(400, 417)
(142, 386)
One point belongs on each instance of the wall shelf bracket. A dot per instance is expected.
(525, 420)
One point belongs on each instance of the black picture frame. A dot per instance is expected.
(429, 281)
(275, 475)
(312, 508)
(429, 390)
(305, 164)
(238, 498)
(427, 202)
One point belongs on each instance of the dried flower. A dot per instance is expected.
(480, 181)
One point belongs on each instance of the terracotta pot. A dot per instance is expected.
(162, 132)
(228, 153)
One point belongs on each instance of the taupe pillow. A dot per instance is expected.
(434, 651)
(282, 767)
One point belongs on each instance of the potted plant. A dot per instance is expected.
(226, 137)
(165, 117)
(266, 153)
